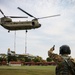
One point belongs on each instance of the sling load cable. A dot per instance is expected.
(15, 41)
(26, 41)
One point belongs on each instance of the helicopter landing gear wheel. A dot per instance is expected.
(8, 31)
(26, 31)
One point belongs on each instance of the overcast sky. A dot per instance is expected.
(54, 31)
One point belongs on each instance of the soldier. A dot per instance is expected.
(65, 64)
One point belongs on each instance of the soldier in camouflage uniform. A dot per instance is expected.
(62, 68)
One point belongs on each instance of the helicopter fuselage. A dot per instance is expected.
(19, 25)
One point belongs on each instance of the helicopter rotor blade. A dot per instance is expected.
(49, 16)
(2, 12)
(17, 17)
(26, 12)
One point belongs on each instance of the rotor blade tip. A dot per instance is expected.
(18, 7)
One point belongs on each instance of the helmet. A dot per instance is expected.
(65, 49)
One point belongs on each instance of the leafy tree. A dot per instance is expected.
(0, 59)
(37, 59)
(3, 57)
(48, 59)
(27, 59)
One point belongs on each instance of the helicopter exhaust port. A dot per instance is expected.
(33, 24)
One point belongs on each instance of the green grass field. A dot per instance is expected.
(27, 70)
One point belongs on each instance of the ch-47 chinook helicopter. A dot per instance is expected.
(8, 24)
